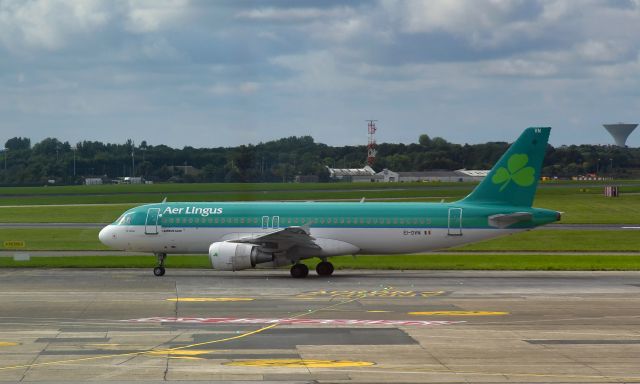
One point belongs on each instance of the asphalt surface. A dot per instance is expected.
(357, 326)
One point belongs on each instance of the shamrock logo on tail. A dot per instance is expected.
(516, 170)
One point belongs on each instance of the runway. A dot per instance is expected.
(358, 326)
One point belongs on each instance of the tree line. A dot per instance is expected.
(279, 160)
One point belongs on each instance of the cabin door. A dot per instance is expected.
(455, 222)
(151, 223)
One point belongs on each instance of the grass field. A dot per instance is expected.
(70, 239)
(581, 203)
(502, 261)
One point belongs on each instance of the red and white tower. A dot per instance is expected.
(371, 147)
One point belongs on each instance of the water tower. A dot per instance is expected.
(620, 132)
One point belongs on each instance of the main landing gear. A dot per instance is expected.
(159, 270)
(324, 268)
(299, 271)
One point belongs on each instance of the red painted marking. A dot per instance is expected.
(239, 320)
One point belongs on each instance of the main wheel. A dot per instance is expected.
(324, 268)
(158, 271)
(299, 271)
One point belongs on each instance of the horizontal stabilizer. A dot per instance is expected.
(505, 220)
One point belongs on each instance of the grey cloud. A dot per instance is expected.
(229, 72)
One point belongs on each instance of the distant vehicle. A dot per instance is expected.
(243, 235)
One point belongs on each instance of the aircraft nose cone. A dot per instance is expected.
(105, 236)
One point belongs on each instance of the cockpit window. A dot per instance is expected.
(125, 219)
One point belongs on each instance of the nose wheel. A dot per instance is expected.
(159, 270)
(299, 271)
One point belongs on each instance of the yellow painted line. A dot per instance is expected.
(186, 352)
(459, 313)
(209, 299)
(7, 344)
(378, 311)
(300, 363)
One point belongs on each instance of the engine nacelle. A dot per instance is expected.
(226, 256)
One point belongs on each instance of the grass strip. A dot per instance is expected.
(543, 240)
(550, 240)
(399, 262)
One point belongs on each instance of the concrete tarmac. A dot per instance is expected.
(78, 325)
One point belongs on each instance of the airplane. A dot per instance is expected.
(243, 235)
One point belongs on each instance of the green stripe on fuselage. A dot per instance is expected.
(328, 215)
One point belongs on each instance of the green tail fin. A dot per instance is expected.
(514, 178)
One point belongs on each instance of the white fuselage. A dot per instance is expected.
(196, 240)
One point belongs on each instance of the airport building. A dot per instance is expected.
(620, 132)
(459, 175)
(367, 174)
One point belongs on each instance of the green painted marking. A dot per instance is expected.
(516, 170)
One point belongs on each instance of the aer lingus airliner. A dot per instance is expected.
(242, 235)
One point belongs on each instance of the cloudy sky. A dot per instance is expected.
(219, 73)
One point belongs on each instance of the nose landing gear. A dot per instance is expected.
(159, 270)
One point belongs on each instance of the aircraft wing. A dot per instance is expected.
(505, 220)
(282, 239)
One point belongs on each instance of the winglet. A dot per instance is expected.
(164, 200)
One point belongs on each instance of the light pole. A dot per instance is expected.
(611, 168)
(144, 168)
(133, 160)
(74, 160)
(4, 152)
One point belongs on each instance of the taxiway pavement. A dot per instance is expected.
(76, 325)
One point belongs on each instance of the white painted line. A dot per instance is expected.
(241, 320)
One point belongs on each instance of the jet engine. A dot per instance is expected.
(226, 256)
